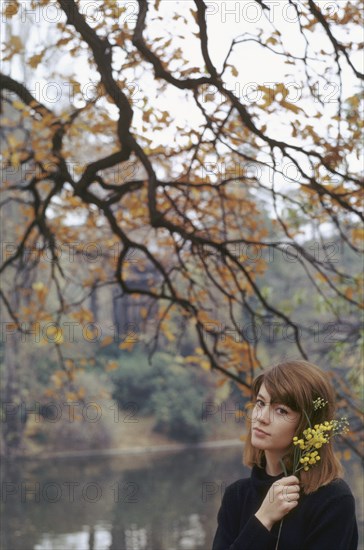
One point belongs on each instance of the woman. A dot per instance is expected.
(268, 511)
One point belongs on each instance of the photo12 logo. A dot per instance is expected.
(69, 491)
(68, 411)
(271, 10)
(93, 11)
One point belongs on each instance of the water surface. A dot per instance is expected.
(153, 501)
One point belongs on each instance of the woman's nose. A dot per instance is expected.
(264, 414)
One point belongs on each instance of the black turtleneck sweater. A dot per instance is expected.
(323, 520)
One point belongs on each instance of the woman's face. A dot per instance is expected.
(273, 424)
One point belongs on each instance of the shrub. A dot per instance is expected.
(171, 392)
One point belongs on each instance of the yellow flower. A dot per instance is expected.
(306, 454)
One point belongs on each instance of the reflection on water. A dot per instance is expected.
(187, 537)
(99, 538)
(149, 502)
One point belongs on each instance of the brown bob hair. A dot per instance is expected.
(297, 384)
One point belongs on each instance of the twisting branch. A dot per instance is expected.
(188, 210)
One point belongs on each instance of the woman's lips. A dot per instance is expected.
(257, 431)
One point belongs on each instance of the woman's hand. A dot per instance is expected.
(281, 498)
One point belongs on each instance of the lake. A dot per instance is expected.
(149, 501)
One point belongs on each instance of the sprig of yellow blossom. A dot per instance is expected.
(306, 453)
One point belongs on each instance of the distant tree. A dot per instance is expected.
(167, 390)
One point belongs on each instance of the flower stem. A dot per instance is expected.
(308, 419)
(283, 467)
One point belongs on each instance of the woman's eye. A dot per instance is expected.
(259, 403)
(282, 411)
